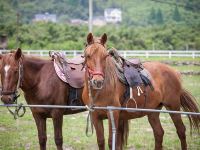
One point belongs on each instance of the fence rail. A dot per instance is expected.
(125, 53)
(103, 108)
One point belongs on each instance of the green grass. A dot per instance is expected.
(187, 68)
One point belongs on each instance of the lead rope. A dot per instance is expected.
(16, 113)
(90, 109)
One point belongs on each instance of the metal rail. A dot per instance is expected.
(104, 108)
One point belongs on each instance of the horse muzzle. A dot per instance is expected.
(8, 98)
(97, 84)
(96, 79)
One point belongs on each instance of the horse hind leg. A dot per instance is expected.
(158, 131)
(180, 127)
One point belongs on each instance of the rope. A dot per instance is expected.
(89, 124)
(16, 113)
(90, 108)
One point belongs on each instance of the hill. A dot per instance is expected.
(169, 24)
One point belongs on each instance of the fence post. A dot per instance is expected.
(75, 53)
(41, 53)
(193, 55)
(124, 54)
(170, 54)
(113, 127)
(147, 54)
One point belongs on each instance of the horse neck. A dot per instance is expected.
(31, 72)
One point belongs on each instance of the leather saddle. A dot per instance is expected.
(70, 71)
(131, 70)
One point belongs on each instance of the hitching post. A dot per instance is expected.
(113, 127)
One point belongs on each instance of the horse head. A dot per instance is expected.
(95, 60)
(10, 75)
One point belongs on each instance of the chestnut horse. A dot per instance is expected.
(41, 86)
(105, 89)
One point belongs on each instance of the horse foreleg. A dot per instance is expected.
(57, 123)
(116, 122)
(41, 127)
(98, 124)
(158, 131)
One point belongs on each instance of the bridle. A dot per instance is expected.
(92, 73)
(15, 94)
(89, 71)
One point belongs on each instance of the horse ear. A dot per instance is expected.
(90, 38)
(104, 38)
(1, 56)
(18, 53)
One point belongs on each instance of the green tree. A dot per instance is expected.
(176, 15)
(159, 17)
(152, 16)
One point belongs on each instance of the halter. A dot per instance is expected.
(91, 72)
(15, 94)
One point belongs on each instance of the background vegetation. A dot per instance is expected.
(146, 24)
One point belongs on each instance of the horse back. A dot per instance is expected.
(165, 79)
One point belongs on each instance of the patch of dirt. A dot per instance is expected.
(2, 129)
(65, 147)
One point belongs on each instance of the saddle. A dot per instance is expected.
(70, 71)
(131, 72)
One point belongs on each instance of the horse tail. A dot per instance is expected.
(189, 104)
(124, 130)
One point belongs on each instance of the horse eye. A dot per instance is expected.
(106, 56)
(88, 56)
(16, 71)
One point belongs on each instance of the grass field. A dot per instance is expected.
(21, 134)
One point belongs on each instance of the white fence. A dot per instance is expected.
(125, 53)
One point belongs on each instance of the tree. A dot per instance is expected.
(159, 17)
(152, 16)
(176, 15)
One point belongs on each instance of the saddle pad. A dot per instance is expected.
(75, 74)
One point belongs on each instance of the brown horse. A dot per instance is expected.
(41, 86)
(106, 89)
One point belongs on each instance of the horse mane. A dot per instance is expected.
(110, 74)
